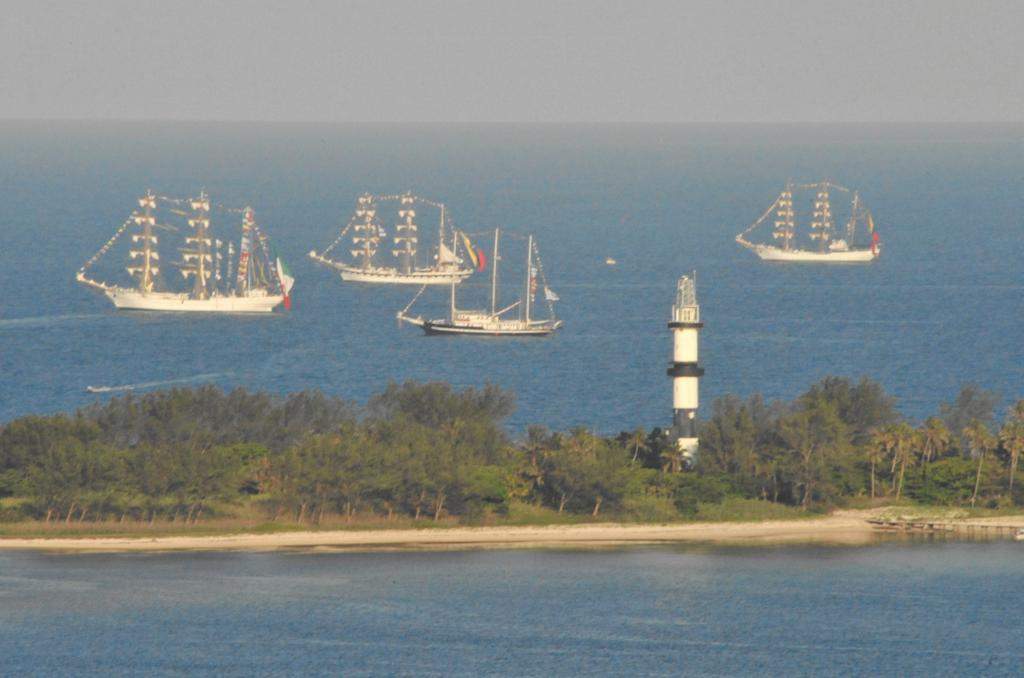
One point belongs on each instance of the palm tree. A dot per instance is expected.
(906, 439)
(538, 440)
(671, 459)
(883, 442)
(878, 451)
(935, 439)
(1012, 438)
(1017, 411)
(637, 438)
(887, 439)
(1015, 445)
(980, 441)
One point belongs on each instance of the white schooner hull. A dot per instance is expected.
(133, 300)
(768, 253)
(392, 276)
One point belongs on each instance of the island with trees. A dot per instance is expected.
(423, 454)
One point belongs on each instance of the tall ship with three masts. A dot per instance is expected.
(497, 320)
(828, 243)
(257, 283)
(368, 238)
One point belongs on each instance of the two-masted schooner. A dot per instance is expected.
(258, 285)
(368, 238)
(496, 321)
(832, 246)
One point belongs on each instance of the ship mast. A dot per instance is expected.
(494, 273)
(148, 269)
(821, 225)
(451, 302)
(852, 224)
(198, 261)
(529, 278)
(785, 224)
(405, 235)
(440, 230)
(246, 247)
(230, 272)
(368, 233)
(218, 263)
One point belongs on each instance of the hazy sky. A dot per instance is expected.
(514, 61)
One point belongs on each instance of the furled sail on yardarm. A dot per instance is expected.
(828, 242)
(371, 261)
(214, 281)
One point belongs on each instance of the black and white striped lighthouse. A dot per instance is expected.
(685, 369)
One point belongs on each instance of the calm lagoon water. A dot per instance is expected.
(943, 306)
(894, 609)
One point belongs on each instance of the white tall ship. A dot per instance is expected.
(259, 284)
(496, 321)
(829, 243)
(368, 238)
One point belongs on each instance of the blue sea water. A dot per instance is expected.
(935, 609)
(943, 306)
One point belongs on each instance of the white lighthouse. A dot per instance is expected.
(685, 369)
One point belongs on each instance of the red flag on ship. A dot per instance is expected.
(874, 242)
(481, 259)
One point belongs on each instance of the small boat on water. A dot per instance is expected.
(1020, 535)
(368, 235)
(262, 282)
(610, 262)
(495, 322)
(830, 249)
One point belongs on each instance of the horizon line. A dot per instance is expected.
(552, 123)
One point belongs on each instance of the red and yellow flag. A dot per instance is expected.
(470, 250)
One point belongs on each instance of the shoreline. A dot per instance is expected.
(835, 529)
(843, 528)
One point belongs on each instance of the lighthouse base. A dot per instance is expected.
(688, 447)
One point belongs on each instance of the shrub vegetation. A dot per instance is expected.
(430, 453)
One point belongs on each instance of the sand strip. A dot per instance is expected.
(835, 529)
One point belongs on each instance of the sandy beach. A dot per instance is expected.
(842, 527)
(839, 529)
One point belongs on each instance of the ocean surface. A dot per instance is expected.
(943, 306)
(929, 609)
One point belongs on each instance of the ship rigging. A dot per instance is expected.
(368, 238)
(829, 245)
(261, 284)
(496, 320)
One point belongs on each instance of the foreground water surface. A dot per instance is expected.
(898, 609)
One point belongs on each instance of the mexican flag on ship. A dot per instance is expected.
(287, 282)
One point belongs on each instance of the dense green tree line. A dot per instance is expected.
(427, 451)
(841, 440)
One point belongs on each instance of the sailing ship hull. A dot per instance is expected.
(443, 327)
(805, 256)
(133, 300)
(393, 277)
